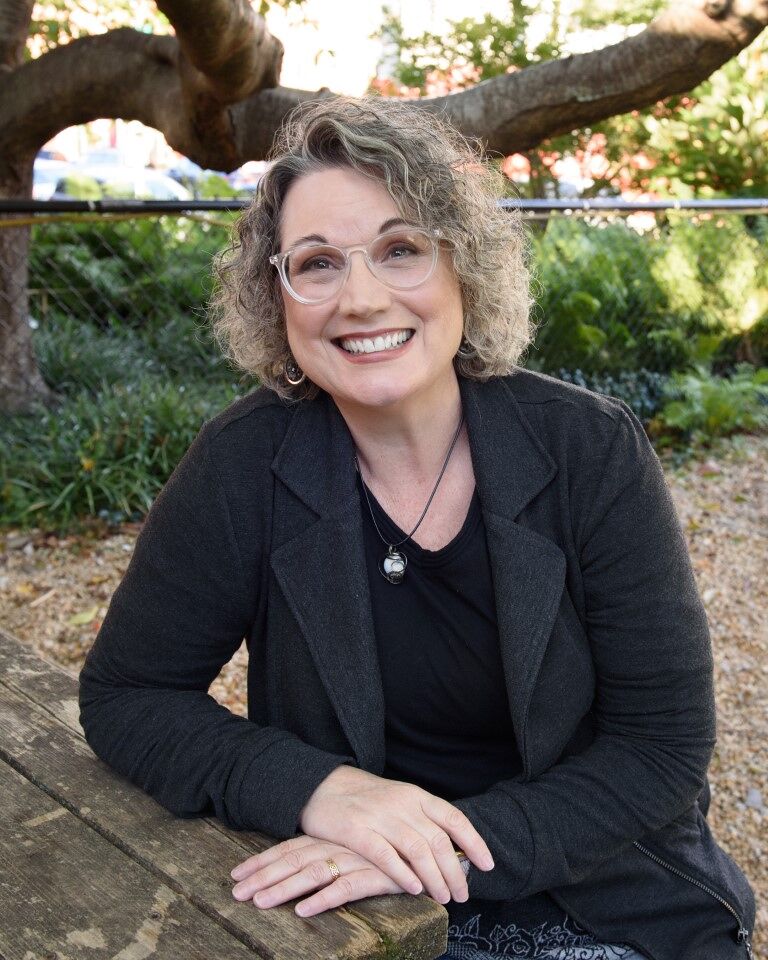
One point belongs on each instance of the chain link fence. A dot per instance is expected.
(618, 287)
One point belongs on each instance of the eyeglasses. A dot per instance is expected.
(402, 258)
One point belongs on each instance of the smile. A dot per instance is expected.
(378, 344)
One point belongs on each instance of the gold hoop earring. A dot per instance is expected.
(293, 372)
(466, 351)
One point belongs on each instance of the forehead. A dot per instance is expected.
(341, 205)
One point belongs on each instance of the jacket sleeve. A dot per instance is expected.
(654, 704)
(180, 613)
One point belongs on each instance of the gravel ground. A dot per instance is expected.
(54, 593)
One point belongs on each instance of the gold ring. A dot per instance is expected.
(335, 872)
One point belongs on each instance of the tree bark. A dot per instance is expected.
(15, 16)
(21, 385)
(20, 382)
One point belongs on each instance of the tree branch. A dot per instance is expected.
(131, 75)
(227, 54)
(122, 73)
(15, 17)
(516, 111)
(677, 51)
(228, 45)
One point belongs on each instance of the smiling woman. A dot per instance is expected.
(426, 176)
(361, 285)
(472, 623)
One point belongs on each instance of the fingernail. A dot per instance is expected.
(237, 873)
(415, 888)
(302, 910)
(488, 863)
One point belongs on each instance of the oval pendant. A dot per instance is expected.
(393, 566)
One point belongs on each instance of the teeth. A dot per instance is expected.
(377, 344)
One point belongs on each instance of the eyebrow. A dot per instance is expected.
(319, 238)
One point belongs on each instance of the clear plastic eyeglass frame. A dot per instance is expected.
(279, 261)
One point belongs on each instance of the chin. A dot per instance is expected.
(380, 391)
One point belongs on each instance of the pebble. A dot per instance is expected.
(755, 799)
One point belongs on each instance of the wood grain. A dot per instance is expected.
(66, 891)
(42, 739)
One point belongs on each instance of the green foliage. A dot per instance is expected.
(491, 45)
(110, 450)
(716, 143)
(609, 299)
(702, 406)
(59, 21)
(642, 390)
(81, 187)
(137, 270)
(122, 341)
(214, 187)
(711, 142)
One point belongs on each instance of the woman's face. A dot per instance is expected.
(344, 208)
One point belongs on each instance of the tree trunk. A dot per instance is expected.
(21, 385)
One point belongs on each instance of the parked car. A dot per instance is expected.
(46, 175)
(104, 156)
(123, 183)
(50, 155)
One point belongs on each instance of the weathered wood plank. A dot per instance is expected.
(192, 856)
(67, 892)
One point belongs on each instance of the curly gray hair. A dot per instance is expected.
(436, 176)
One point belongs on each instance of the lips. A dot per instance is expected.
(377, 343)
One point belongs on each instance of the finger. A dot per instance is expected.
(314, 876)
(449, 866)
(460, 829)
(421, 854)
(382, 854)
(292, 863)
(275, 852)
(345, 889)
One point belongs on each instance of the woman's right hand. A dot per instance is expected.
(407, 832)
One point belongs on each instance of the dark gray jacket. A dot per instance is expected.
(604, 640)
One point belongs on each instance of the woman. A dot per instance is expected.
(473, 626)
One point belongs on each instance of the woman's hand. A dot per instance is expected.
(292, 868)
(405, 831)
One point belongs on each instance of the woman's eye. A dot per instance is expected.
(316, 263)
(399, 250)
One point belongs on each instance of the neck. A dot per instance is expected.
(407, 441)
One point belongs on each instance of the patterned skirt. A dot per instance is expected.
(566, 940)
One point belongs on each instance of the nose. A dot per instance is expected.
(362, 294)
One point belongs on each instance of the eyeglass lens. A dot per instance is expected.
(400, 258)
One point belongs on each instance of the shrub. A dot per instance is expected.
(611, 300)
(642, 390)
(108, 453)
(700, 406)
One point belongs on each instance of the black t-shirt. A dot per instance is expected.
(448, 723)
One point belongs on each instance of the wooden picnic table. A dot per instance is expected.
(91, 867)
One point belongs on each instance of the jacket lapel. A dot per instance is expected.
(511, 468)
(322, 572)
(320, 565)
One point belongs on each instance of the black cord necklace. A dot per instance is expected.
(393, 563)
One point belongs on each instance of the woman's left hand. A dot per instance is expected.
(298, 866)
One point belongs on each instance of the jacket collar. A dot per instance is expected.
(511, 465)
(322, 571)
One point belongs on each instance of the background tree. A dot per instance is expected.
(212, 88)
(710, 142)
